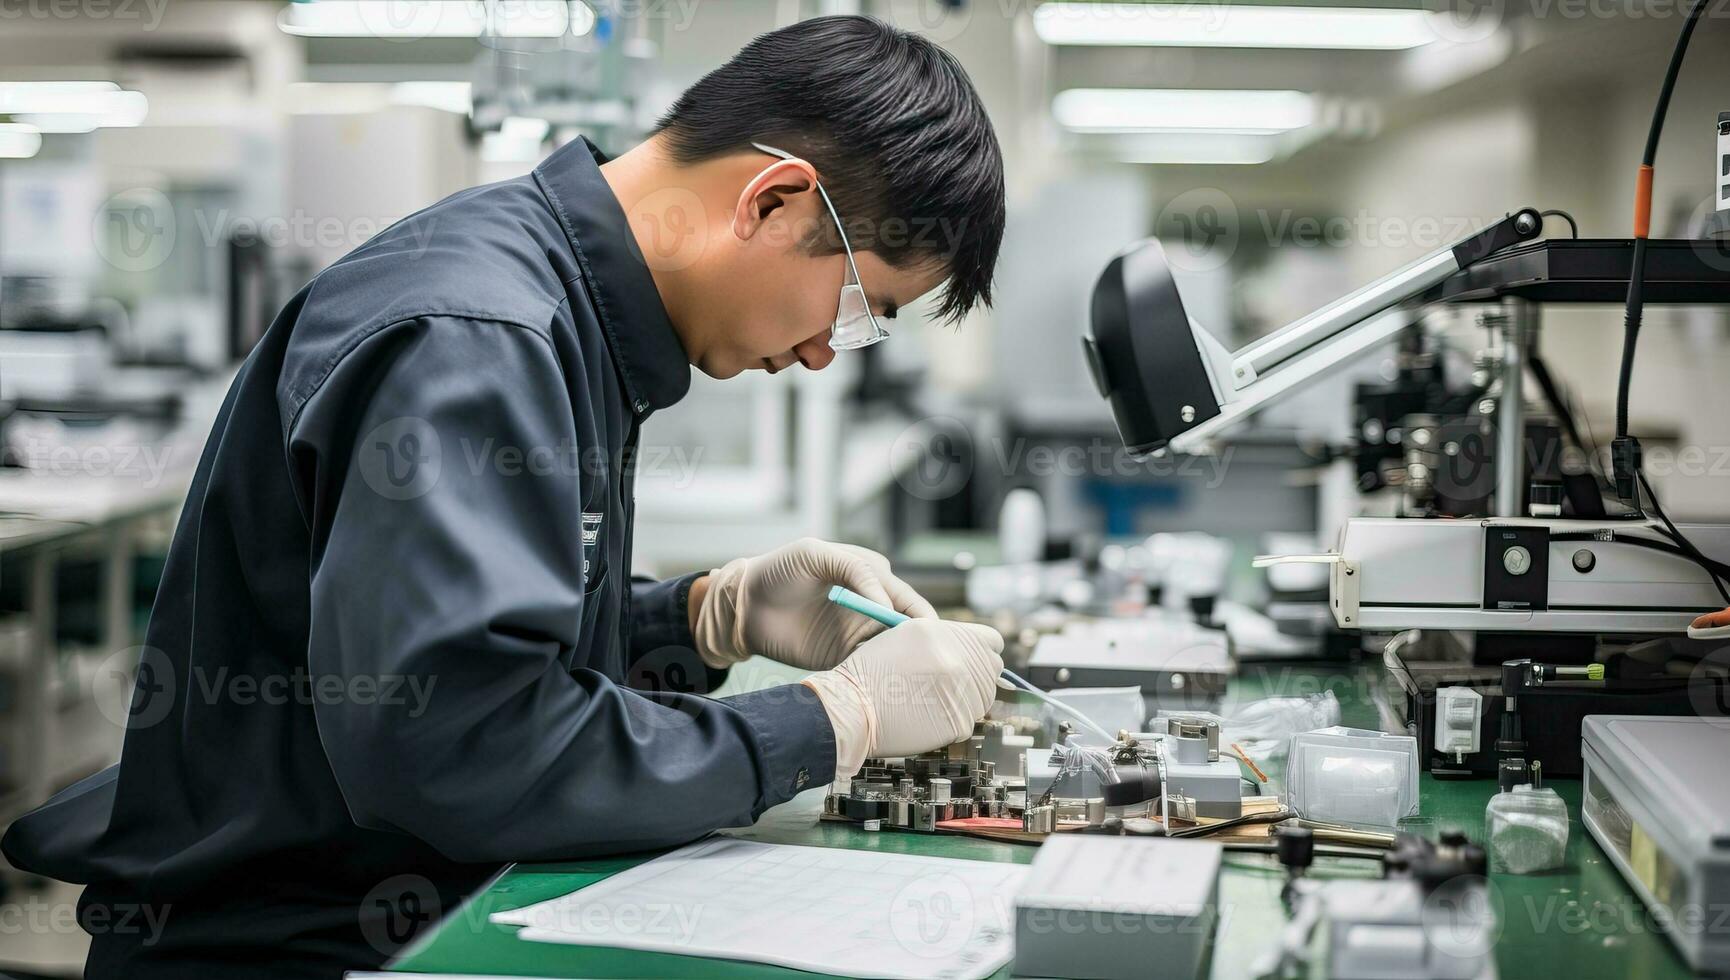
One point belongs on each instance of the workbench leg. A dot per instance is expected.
(117, 588)
(36, 678)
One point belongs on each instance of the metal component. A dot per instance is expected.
(1518, 324)
(1039, 820)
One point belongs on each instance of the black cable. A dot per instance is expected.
(1564, 413)
(1637, 272)
(1321, 850)
(1693, 552)
(1573, 225)
(1268, 816)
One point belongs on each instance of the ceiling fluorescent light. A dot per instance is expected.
(18, 141)
(457, 97)
(72, 107)
(414, 19)
(1128, 110)
(1211, 25)
(1197, 149)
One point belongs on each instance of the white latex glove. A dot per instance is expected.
(917, 687)
(778, 605)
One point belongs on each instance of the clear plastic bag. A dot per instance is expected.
(1353, 776)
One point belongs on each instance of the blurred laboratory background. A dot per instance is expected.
(171, 171)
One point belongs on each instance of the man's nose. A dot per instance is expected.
(815, 352)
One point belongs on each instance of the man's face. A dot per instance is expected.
(770, 300)
(782, 309)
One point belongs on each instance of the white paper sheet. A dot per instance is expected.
(828, 910)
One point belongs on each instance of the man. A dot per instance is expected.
(397, 637)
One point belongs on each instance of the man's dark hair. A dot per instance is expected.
(890, 120)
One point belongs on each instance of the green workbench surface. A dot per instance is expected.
(1577, 923)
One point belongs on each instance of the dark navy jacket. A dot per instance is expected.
(397, 642)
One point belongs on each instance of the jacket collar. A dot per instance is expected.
(646, 351)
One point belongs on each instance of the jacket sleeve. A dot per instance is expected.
(663, 653)
(457, 587)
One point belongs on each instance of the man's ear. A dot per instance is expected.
(768, 193)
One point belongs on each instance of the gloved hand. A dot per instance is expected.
(917, 687)
(778, 605)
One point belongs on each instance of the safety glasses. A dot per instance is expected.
(855, 326)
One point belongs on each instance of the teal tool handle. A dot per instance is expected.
(848, 599)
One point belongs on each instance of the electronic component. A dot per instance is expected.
(1653, 800)
(1194, 772)
(1167, 774)
(1117, 908)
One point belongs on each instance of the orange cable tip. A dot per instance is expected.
(1643, 202)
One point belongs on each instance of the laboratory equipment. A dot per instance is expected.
(1171, 383)
(1528, 830)
(1353, 776)
(1654, 802)
(1429, 917)
(1175, 663)
(1117, 908)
